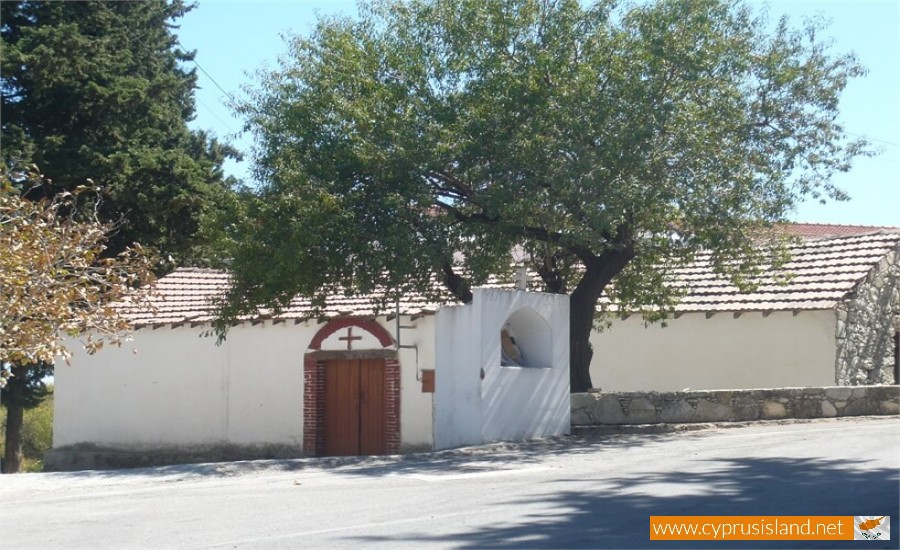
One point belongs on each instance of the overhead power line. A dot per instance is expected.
(879, 140)
(209, 76)
(217, 117)
(229, 95)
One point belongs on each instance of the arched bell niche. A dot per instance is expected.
(526, 340)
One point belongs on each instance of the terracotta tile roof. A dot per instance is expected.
(821, 273)
(828, 230)
(186, 295)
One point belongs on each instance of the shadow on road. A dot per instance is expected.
(441, 462)
(618, 516)
(497, 456)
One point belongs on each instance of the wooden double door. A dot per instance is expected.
(354, 407)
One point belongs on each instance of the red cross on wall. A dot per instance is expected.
(350, 338)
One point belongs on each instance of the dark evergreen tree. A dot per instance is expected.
(25, 389)
(101, 91)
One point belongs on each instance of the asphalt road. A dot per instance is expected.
(579, 492)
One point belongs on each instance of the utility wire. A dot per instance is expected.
(894, 143)
(230, 96)
(209, 76)
(216, 115)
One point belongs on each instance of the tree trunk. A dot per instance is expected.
(15, 414)
(14, 399)
(598, 273)
(581, 324)
(455, 283)
(582, 308)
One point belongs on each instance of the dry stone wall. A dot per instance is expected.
(592, 409)
(866, 323)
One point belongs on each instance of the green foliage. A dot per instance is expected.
(98, 91)
(27, 389)
(608, 142)
(37, 432)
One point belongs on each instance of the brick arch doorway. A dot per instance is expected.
(351, 390)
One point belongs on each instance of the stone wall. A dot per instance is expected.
(591, 409)
(866, 324)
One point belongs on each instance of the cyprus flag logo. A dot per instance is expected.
(871, 527)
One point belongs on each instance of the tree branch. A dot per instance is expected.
(455, 283)
(548, 269)
(462, 187)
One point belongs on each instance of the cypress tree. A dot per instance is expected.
(103, 91)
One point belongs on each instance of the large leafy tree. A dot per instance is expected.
(428, 138)
(101, 91)
(54, 282)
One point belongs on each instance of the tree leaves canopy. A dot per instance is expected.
(430, 127)
(429, 137)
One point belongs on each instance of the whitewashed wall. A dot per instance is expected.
(180, 389)
(722, 352)
(506, 403)
(457, 410)
(416, 408)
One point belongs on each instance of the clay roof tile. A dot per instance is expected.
(819, 274)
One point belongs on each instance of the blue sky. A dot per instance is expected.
(235, 38)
